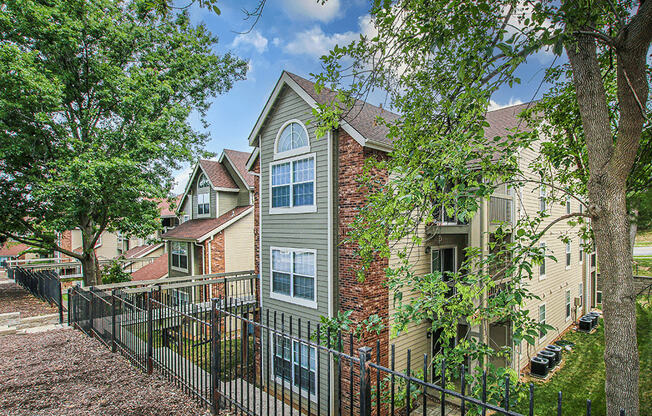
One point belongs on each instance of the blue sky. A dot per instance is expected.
(292, 35)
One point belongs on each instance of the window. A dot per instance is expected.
(581, 251)
(203, 181)
(203, 204)
(542, 266)
(581, 294)
(542, 319)
(443, 260)
(295, 363)
(568, 304)
(180, 298)
(180, 255)
(293, 275)
(542, 198)
(568, 205)
(293, 184)
(292, 139)
(185, 218)
(568, 254)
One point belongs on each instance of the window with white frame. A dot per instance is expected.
(179, 255)
(293, 183)
(295, 363)
(581, 296)
(568, 304)
(203, 204)
(581, 251)
(542, 319)
(443, 260)
(542, 198)
(179, 297)
(542, 266)
(293, 275)
(203, 182)
(292, 138)
(568, 254)
(568, 205)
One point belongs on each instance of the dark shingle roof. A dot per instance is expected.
(155, 270)
(362, 117)
(217, 174)
(140, 251)
(503, 120)
(239, 160)
(12, 248)
(197, 228)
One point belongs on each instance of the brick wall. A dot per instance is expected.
(256, 169)
(371, 296)
(216, 259)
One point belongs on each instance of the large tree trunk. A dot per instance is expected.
(90, 265)
(610, 163)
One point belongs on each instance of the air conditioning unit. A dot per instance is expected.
(578, 302)
(550, 356)
(539, 366)
(586, 323)
(556, 350)
(595, 316)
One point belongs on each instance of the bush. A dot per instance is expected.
(115, 274)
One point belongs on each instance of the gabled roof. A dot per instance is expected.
(503, 120)
(360, 122)
(155, 270)
(141, 251)
(200, 229)
(239, 162)
(165, 208)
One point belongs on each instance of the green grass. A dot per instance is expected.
(643, 266)
(582, 376)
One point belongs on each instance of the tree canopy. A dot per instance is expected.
(94, 115)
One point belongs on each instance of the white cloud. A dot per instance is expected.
(315, 42)
(277, 41)
(495, 105)
(253, 38)
(180, 180)
(313, 9)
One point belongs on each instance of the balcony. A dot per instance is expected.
(501, 209)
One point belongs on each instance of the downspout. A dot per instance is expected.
(484, 230)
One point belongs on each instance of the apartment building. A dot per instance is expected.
(306, 197)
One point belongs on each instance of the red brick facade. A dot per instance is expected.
(371, 296)
(256, 170)
(216, 260)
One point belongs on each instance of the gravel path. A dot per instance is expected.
(67, 373)
(14, 298)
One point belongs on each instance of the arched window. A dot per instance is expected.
(203, 181)
(292, 138)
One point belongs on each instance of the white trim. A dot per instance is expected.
(210, 265)
(180, 269)
(292, 209)
(252, 159)
(292, 299)
(293, 152)
(568, 252)
(545, 265)
(285, 79)
(454, 247)
(237, 172)
(226, 189)
(225, 225)
(206, 214)
(568, 304)
(281, 382)
(260, 241)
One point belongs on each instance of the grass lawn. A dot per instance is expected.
(644, 239)
(644, 266)
(582, 376)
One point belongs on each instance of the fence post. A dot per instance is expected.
(365, 381)
(70, 315)
(90, 312)
(215, 357)
(113, 312)
(60, 297)
(150, 340)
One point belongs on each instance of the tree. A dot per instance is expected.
(94, 116)
(440, 62)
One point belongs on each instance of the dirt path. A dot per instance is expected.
(14, 298)
(66, 373)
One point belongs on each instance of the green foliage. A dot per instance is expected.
(332, 329)
(94, 114)
(114, 273)
(401, 392)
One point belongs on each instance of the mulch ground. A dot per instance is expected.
(65, 372)
(14, 298)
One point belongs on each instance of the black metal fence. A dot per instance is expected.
(44, 284)
(230, 353)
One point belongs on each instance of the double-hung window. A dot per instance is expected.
(180, 255)
(443, 260)
(542, 266)
(581, 251)
(581, 294)
(542, 198)
(568, 254)
(568, 304)
(568, 205)
(295, 363)
(293, 184)
(203, 204)
(294, 275)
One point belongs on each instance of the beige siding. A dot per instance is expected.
(558, 278)
(227, 201)
(239, 245)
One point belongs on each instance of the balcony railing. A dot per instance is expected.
(500, 209)
(442, 218)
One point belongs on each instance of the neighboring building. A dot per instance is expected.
(216, 233)
(306, 197)
(13, 250)
(158, 269)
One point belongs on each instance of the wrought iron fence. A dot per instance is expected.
(232, 354)
(44, 284)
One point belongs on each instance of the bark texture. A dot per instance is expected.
(610, 164)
